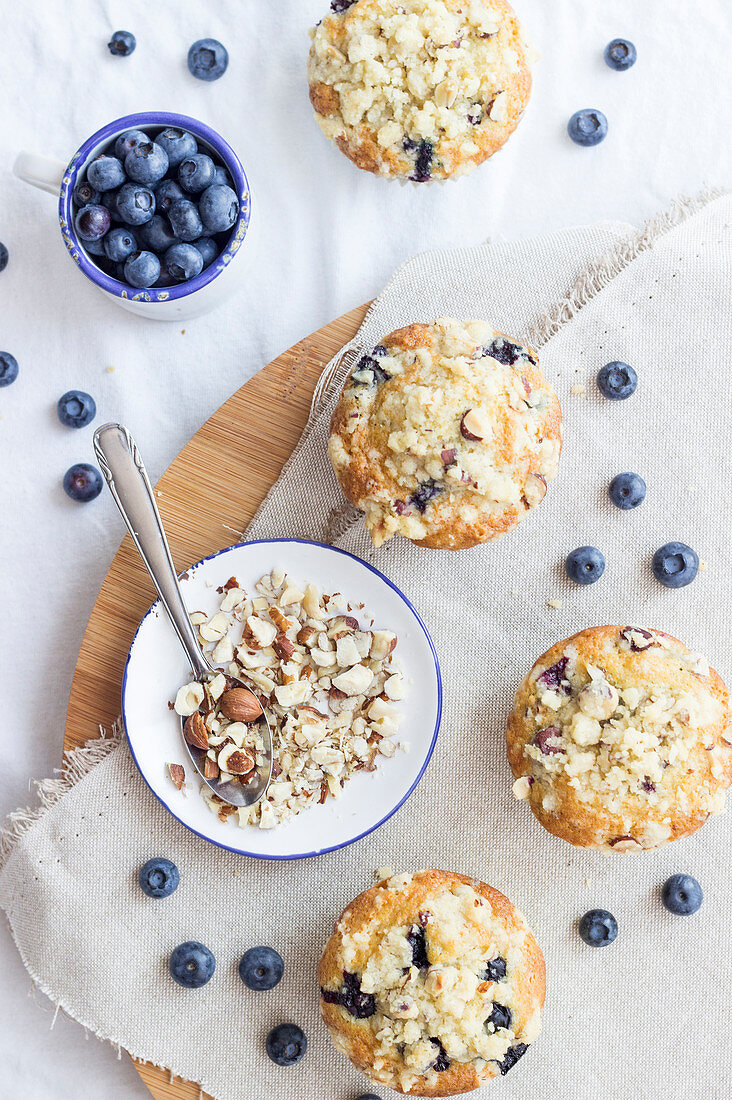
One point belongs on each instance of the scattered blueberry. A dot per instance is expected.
(82, 482)
(76, 409)
(121, 44)
(183, 262)
(185, 220)
(128, 140)
(105, 173)
(368, 1096)
(598, 928)
(119, 244)
(500, 1016)
(682, 895)
(196, 173)
(159, 878)
(191, 964)
(3, 257)
(587, 127)
(627, 491)
(8, 368)
(85, 195)
(675, 565)
(146, 163)
(219, 208)
(135, 204)
(585, 565)
(178, 144)
(617, 381)
(511, 1057)
(620, 54)
(142, 269)
(261, 968)
(207, 59)
(92, 222)
(157, 234)
(286, 1044)
(166, 193)
(209, 249)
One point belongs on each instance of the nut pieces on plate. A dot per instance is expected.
(328, 686)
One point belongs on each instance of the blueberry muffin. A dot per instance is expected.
(620, 739)
(432, 983)
(419, 89)
(446, 433)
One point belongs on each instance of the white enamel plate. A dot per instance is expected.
(156, 667)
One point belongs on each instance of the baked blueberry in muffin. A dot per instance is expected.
(419, 89)
(446, 433)
(619, 739)
(432, 983)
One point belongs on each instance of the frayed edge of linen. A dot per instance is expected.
(77, 764)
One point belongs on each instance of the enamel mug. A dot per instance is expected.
(171, 303)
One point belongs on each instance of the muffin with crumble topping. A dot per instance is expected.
(419, 90)
(432, 983)
(446, 433)
(619, 739)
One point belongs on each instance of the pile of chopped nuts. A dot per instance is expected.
(328, 687)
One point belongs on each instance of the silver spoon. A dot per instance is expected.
(130, 486)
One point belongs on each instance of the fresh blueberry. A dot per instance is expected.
(191, 964)
(76, 409)
(196, 173)
(105, 173)
(92, 222)
(3, 257)
(146, 163)
(128, 140)
(627, 491)
(142, 269)
(109, 199)
(587, 127)
(156, 234)
(121, 44)
(682, 895)
(135, 204)
(585, 565)
(286, 1044)
(617, 381)
(209, 249)
(8, 368)
(500, 1017)
(159, 878)
(620, 54)
(598, 928)
(222, 176)
(207, 59)
(185, 220)
(675, 565)
(178, 144)
(166, 193)
(261, 968)
(119, 244)
(183, 262)
(95, 248)
(219, 208)
(368, 1096)
(85, 195)
(82, 482)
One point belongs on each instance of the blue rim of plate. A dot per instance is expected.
(335, 847)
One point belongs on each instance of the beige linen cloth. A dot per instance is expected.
(647, 1017)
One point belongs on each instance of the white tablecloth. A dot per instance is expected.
(328, 238)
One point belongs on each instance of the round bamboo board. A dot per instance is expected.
(240, 471)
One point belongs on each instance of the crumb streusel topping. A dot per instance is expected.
(445, 424)
(420, 89)
(328, 683)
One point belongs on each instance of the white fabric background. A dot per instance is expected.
(329, 238)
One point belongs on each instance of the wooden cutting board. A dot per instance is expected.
(220, 477)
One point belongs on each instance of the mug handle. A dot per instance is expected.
(43, 172)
